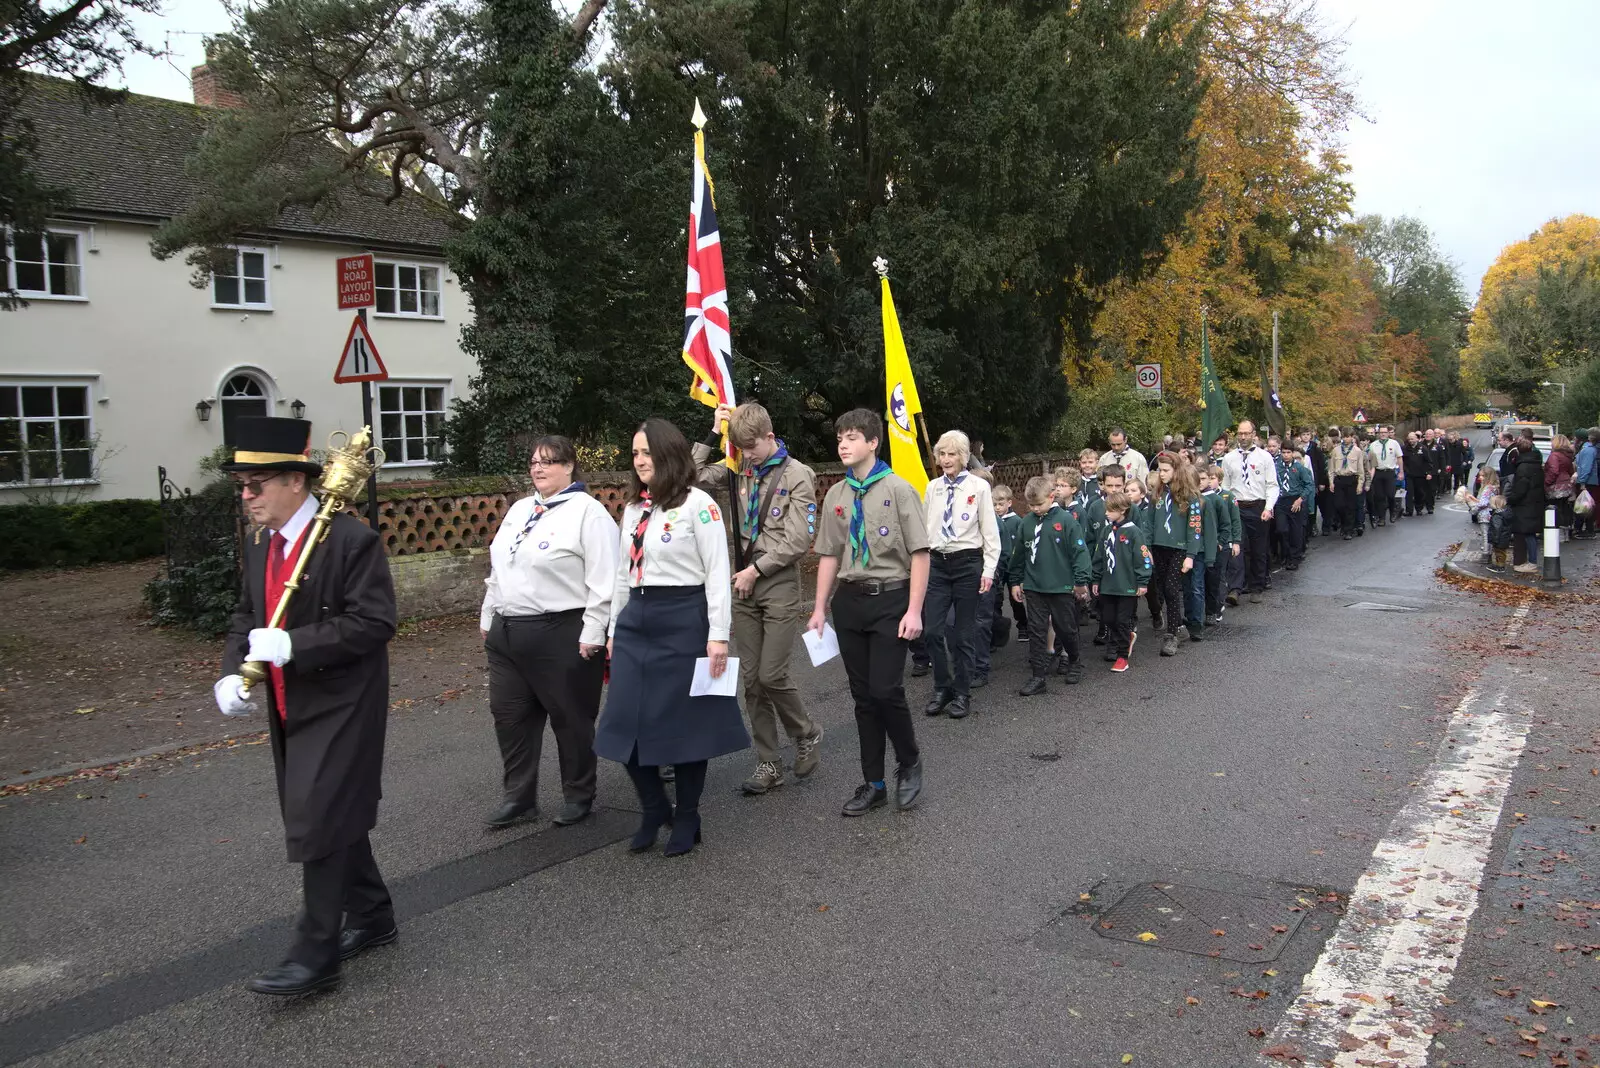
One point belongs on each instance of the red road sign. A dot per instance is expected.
(359, 360)
(356, 289)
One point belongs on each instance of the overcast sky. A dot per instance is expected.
(1485, 117)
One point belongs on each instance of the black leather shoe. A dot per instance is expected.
(352, 940)
(937, 702)
(289, 980)
(919, 670)
(908, 785)
(1033, 686)
(979, 680)
(1074, 672)
(960, 706)
(573, 812)
(509, 813)
(866, 798)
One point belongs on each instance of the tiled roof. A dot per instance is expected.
(127, 160)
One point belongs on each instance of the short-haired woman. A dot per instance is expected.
(672, 605)
(964, 544)
(552, 573)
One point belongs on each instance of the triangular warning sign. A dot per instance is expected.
(360, 362)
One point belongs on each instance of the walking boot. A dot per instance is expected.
(1169, 645)
(767, 776)
(807, 754)
(1033, 686)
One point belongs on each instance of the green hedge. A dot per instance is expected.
(70, 535)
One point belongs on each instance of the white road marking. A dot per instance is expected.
(1514, 626)
(19, 977)
(1386, 969)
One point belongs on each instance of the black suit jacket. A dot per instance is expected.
(329, 750)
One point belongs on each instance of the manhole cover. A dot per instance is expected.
(1209, 923)
(1375, 606)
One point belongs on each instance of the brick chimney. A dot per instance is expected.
(209, 91)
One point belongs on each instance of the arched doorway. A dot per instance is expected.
(242, 395)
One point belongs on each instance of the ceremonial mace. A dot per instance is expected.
(349, 467)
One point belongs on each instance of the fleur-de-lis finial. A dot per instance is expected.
(881, 265)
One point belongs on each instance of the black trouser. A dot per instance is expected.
(1383, 495)
(536, 674)
(1291, 530)
(343, 888)
(1043, 609)
(1257, 562)
(874, 658)
(1168, 577)
(1328, 509)
(1118, 613)
(1215, 581)
(1345, 492)
(952, 580)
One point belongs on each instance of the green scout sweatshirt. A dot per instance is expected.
(1050, 555)
(1010, 523)
(1175, 527)
(1122, 562)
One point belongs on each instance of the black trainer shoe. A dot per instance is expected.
(1033, 686)
(1074, 672)
(866, 798)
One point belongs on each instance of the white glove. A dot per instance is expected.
(231, 697)
(270, 645)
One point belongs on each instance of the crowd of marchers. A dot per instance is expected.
(661, 643)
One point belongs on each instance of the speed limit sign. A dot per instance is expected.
(1147, 377)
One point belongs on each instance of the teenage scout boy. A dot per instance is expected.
(872, 537)
(777, 513)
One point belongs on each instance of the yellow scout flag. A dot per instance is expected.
(903, 401)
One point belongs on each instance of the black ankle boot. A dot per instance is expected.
(685, 834)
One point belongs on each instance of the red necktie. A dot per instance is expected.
(277, 575)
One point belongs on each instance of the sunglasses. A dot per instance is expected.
(253, 487)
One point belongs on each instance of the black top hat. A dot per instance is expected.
(263, 443)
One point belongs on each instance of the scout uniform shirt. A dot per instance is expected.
(960, 516)
(1122, 562)
(781, 502)
(1216, 524)
(682, 546)
(1298, 482)
(1050, 555)
(1347, 460)
(894, 527)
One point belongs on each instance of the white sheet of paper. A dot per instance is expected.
(703, 685)
(822, 647)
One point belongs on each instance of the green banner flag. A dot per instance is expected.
(1215, 419)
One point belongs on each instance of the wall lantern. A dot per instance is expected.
(203, 410)
(298, 409)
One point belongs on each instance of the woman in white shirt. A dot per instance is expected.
(672, 605)
(552, 573)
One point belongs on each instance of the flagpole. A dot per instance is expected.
(699, 121)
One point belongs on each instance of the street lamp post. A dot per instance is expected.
(1559, 385)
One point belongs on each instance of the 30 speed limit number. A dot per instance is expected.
(1147, 376)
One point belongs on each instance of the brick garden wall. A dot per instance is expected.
(442, 583)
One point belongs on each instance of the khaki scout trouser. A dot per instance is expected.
(765, 625)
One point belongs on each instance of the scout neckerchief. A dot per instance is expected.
(947, 528)
(860, 551)
(1344, 457)
(1111, 548)
(1038, 532)
(541, 505)
(1167, 501)
(753, 507)
(636, 550)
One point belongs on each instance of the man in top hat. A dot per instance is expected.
(327, 695)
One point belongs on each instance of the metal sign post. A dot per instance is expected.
(359, 361)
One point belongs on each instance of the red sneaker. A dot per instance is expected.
(1120, 665)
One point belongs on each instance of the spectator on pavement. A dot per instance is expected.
(1587, 475)
(1559, 475)
(1526, 499)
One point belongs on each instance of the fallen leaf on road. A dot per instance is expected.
(82, 838)
(1147, 936)
(1285, 1052)
(1279, 928)
(1083, 897)
(1541, 1006)
(1219, 932)
(823, 908)
(1127, 1058)
(1270, 972)
(1191, 1000)
(1257, 1032)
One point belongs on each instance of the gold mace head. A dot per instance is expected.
(350, 463)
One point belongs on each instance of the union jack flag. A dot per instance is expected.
(707, 344)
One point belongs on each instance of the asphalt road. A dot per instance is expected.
(1256, 771)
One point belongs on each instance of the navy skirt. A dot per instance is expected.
(660, 634)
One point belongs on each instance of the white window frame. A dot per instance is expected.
(239, 252)
(10, 280)
(419, 265)
(401, 383)
(86, 383)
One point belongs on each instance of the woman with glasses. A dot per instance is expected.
(546, 608)
(673, 606)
